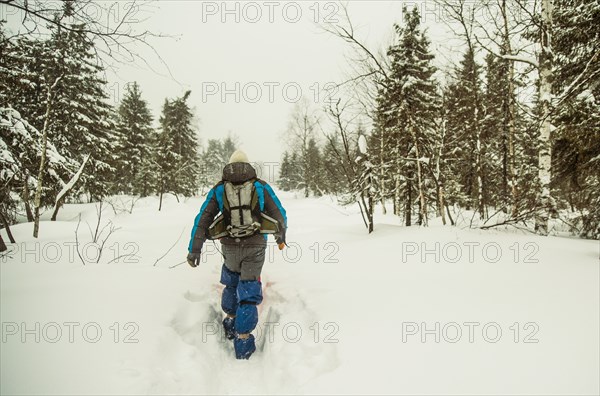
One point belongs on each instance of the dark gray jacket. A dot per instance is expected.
(238, 172)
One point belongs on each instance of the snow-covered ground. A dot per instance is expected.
(437, 310)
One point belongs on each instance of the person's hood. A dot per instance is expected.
(238, 172)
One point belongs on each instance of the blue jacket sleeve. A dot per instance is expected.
(208, 211)
(274, 208)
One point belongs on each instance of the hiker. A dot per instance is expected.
(249, 211)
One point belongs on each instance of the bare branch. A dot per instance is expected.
(77, 239)
(116, 41)
(172, 246)
(512, 58)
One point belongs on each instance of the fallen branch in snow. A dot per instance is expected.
(178, 264)
(8, 253)
(513, 221)
(122, 256)
(172, 246)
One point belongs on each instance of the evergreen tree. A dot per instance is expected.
(212, 163)
(134, 131)
(381, 145)
(214, 157)
(463, 140)
(177, 154)
(296, 175)
(406, 113)
(20, 145)
(576, 158)
(228, 147)
(81, 117)
(314, 168)
(365, 186)
(284, 182)
(77, 116)
(54, 83)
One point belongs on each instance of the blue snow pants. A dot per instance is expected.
(243, 292)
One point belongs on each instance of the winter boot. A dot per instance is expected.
(244, 347)
(229, 327)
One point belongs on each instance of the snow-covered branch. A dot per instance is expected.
(514, 58)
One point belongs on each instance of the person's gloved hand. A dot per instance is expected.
(280, 243)
(193, 259)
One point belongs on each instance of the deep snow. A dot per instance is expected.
(349, 311)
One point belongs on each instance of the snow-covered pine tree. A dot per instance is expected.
(296, 175)
(81, 119)
(42, 79)
(177, 155)
(20, 145)
(365, 186)
(407, 110)
(442, 177)
(228, 146)
(499, 162)
(212, 162)
(285, 171)
(314, 168)
(463, 128)
(135, 138)
(576, 158)
(214, 157)
(380, 150)
(79, 116)
(301, 129)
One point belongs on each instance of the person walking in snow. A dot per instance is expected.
(241, 210)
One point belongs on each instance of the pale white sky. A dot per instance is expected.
(247, 63)
(245, 74)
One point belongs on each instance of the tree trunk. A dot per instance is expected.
(477, 131)
(7, 227)
(60, 198)
(437, 174)
(441, 205)
(408, 203)
(422, 199)
(449, 215)
(509, 116)
(38, 191)
(545, 127)
(3, 247)
(58, 205)
(397, 197)
(479, 171)
(26, 198)
(382, 173)
(512, 179)
(371, 206)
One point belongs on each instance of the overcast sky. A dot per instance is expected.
(246, 63)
